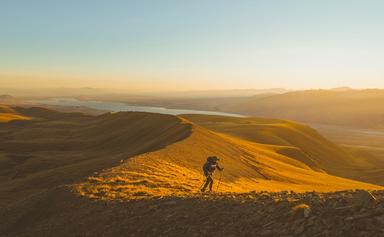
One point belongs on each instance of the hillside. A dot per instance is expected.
(57, 148)
(176, 169)
(289, 138)
(134, 173)
(367, 145)
(297, 141)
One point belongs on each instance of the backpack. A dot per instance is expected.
(211, 160)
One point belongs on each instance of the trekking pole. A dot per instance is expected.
(205, 180)
(202, 185)
(218, 185)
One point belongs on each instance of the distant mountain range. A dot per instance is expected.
(346, 107)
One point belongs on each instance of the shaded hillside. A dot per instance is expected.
(59, 148)
(367, 145)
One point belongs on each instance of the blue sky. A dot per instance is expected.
(178, 44)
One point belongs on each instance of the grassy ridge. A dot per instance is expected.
(176, 169)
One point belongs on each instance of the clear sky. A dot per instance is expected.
(199, 44)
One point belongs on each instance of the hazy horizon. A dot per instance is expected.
(84, 90)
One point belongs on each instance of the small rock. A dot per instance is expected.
(350, 218)
(301, 211)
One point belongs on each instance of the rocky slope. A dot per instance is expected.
(346, 213)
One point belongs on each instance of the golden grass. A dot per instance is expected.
(176, 171)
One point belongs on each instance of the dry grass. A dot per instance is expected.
(176, 171)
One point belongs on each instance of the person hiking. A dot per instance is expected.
(209, 168)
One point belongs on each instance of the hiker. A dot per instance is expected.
(208, 168)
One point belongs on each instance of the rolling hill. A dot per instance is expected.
(299, 142)
(54, 148)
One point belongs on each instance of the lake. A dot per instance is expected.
(119, 107)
